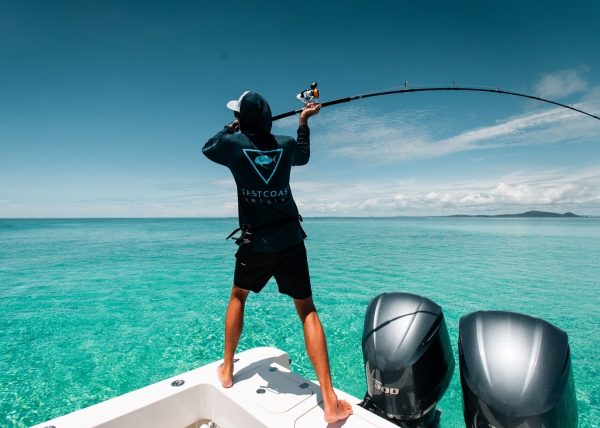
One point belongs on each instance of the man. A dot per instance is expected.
(272, 240)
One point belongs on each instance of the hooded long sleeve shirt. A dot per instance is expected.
(260, 164)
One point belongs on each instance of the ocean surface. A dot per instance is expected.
(91, 309)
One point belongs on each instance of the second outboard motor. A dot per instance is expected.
(408, 359)
(515, 371)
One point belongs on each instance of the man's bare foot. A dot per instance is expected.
(225, 376)
(342, 410)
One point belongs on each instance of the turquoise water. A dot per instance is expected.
(91, 309)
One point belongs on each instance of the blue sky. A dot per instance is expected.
(105, 105)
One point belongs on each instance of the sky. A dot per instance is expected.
(105, 105)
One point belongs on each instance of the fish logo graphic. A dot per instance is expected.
(265, 162)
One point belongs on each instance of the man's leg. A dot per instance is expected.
(316, 347)
(234, 322)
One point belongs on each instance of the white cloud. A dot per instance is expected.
(216, 198)
(561, 84)
(367, 134)
(558, 191)
(286, 123)
(362, 133)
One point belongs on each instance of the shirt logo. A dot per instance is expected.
(265, 162)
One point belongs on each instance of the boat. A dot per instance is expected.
(266, 394)
(515, 372)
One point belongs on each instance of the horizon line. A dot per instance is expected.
(304, 217)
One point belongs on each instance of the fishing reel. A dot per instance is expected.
(309, 95)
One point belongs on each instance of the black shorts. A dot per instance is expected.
(289, 267)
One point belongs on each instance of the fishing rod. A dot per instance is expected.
(312, 94)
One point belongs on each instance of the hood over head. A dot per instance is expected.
(255, 115)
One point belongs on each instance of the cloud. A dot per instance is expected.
(214, 198)
(560, 84)
(554, 191)
(286, 123)
(560, 190)
(368, 135)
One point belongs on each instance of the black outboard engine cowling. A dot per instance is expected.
(515, 371)
(408, 358)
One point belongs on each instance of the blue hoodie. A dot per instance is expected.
(260, 164)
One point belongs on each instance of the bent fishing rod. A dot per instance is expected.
(312, 94)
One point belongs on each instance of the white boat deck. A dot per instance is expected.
(266, 394)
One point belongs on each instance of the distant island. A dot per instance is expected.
(527, 214)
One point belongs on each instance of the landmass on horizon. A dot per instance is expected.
(532, 213)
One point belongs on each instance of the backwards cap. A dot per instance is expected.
(235, 104)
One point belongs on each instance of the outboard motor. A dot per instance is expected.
(408, 359)
(515, 371)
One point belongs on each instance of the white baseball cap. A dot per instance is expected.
(235, 104)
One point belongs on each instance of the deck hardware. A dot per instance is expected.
(260, 391)
(303, 385)
(178, 382)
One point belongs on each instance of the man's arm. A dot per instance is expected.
(303, 140)
(302, 146)
(216, 148)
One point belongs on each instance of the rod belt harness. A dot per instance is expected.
(246, 230)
